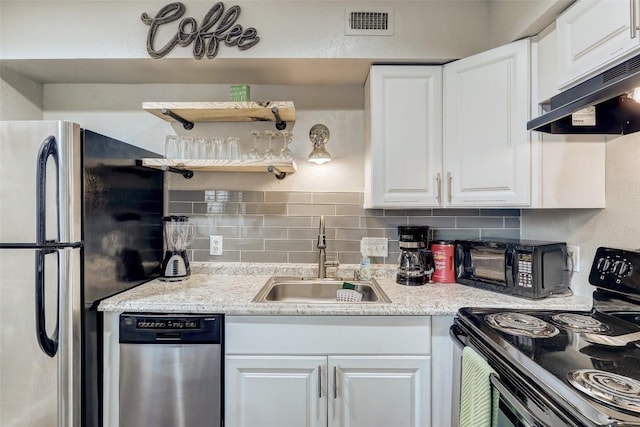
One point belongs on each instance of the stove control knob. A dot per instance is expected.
(603, 264)
(621, 268)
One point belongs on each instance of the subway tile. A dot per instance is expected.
(180, 208)
(350, 258)
(227, 256)
(348, 209)
(201, 208)
(263, 232)
(186, 195)
(233, 196)
(287, 221)
(225, 232)
(343, 221)
(288, 245)
(374, 212)
(241, 220)
(512, 222)
(419, 212)
(451, 234)
(313, 209)
(395, 212)
(338, 198)
(262, 256)
(243, 244)
(288, 196)
(303, 257)
(382, 221)
(507, 233)
(479, 222)
(200, 244)
(433, 221)
(499, 212)
(344, 245)
(357, 233)
(310, 233)
(456, 212)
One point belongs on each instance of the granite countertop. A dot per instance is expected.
(229, 288)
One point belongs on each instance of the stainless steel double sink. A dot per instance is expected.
(310, 290)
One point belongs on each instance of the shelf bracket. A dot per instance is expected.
(277, 172)
(280, 125)
(185, 123)
(187, 174)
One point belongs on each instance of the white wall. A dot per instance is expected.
(20, 97)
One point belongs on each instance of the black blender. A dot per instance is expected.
(416, 260)
(178, 235)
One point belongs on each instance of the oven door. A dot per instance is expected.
(510, 410)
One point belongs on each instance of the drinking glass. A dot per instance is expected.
(172, 147)
(254, 153)
(199, 148)
(285, 152)
(233, 148)
(221, 148)
(186, 143)
(270, 153)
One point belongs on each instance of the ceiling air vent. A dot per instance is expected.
(369, 21)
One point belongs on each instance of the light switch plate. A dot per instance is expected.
(215, 245)
(375, 246)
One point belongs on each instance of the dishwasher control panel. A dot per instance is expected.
(167, 328)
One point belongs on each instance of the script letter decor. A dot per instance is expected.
(216, 27)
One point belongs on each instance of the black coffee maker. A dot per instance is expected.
(416, 260)
(178, 235)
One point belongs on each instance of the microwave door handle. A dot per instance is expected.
(521, 410)
(511, 273)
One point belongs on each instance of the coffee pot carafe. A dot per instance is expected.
(178, 235)
(416, 260)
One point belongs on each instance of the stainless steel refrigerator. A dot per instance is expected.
(80, 220)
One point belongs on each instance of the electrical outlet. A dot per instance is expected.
(573, 252)
(215, 245)
(375, 246)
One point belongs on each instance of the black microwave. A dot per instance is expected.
(525, 268)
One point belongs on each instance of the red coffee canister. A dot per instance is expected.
(443, 258)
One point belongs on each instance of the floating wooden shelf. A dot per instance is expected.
(249, 111)
(278, 167)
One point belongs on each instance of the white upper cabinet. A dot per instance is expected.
(403, 154)
(487, 150)
(594, 34)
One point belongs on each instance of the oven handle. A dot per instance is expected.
(458, 337)
(523, 411)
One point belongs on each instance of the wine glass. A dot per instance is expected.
(253, 153)
(285, 152)
(270, 153)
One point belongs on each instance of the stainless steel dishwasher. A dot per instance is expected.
(170, 370)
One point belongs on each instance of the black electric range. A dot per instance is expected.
(549, 372)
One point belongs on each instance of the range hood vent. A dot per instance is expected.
(600, 105)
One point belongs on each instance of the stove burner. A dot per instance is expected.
(521, 325)
(615, 390)
(579, 322)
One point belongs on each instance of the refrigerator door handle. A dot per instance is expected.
(49, 345)
(49, 148)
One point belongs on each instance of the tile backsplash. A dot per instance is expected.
(282, 226)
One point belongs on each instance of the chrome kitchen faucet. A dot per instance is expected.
(322, 256)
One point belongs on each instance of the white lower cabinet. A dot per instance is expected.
(347, 371)
(354, 391)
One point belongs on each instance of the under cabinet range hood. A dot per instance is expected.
(603, 104)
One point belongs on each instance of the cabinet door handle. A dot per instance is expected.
(319, 381)
(633, 9)
(449, 179)
(439, 188)
(335, 382)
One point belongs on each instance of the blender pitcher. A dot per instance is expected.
(178, 235)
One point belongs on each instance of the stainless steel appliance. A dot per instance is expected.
(548, 371)
(416, 261)
(525, 268)
(170, 370)
(80, 221)
(178, 235)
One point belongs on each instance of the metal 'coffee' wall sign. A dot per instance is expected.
(216, 27)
